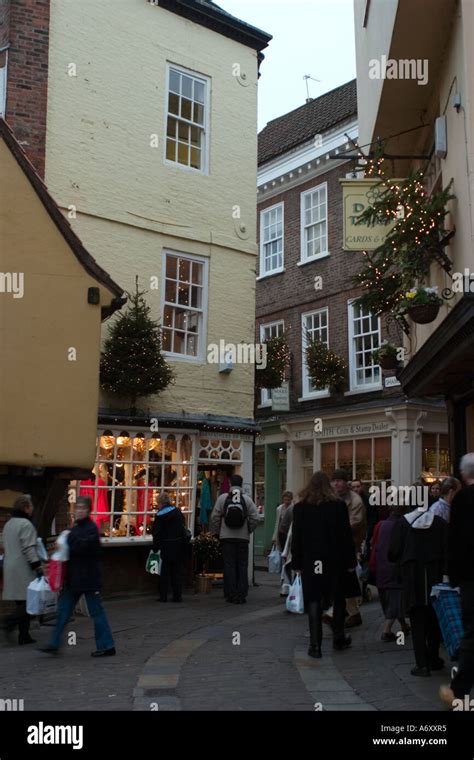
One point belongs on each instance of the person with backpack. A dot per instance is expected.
(233, 519)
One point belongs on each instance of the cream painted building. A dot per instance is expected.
(151, 151)
(437, 36)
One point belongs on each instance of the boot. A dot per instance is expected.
(315, 629)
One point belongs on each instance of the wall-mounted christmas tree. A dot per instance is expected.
(132, 364)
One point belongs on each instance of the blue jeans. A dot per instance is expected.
(66, 605)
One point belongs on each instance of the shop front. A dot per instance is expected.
(133, 466)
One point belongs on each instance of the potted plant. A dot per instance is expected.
(325, 368)
(421, 304)
(206, 547)
(386, 355)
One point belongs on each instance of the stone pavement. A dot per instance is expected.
(205, 654)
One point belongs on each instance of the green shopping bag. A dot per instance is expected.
(153, 563)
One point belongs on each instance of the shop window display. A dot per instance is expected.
(435, 456)
(367, 459)
(130, 471)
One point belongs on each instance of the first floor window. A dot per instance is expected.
(314, 227)
(130, 472)
(270, 330)
(314, 327)
(271, 240)
(183, 309)
(366, 459)
(364, 338)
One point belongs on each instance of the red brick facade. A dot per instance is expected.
(289, 294)
(27, 85)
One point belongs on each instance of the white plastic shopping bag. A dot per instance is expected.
(294, 600)
(42, 553)
(40, 600)
(62, 547)
(274, 561)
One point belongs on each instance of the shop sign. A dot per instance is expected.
(369, 428)
(390, 381)
(281, 398)
(357, 195)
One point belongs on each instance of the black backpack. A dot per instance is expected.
(235, 509)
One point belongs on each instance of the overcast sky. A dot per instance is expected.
(313, 37)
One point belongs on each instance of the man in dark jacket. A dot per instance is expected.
(418, 544)
(83, 576)
(169, 537)
(461, 573)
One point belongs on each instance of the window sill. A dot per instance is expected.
(270, 274)
(311, 261)
(189, 169)
(368, 389)
(183, 358)
(313, 396)
(264, 406)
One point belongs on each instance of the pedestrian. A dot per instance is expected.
(387, 577)
(83, 577)
(372, 519)
(461, 573)
(284, 514)
(233, 519)
(170, 539)
(358, 523)
(418, 545)
(287, 573)
(448, 490)
(21, 565)
(323, 554)
(434, 492)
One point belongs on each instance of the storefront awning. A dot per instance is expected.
(444, 365)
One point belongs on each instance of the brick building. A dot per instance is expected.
(370, 428)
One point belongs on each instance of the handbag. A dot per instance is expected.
(294, 600)
(56, 574)
(153, 563)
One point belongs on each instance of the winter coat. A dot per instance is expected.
(169, 533)
(284, 516)
(322, 533)
(357, 518)
(218, 526)
(387, 573)
(461, 538)
(83, 573)
(21, 556)
(419, 545)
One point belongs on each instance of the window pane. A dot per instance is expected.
(179, 342)
(196, 272)
(186, 109)
(183, 295)
(383, 456)
(198, 113)
(345, 456)
(328, 458)
(171, 266)
(183, 131)
(166, 337)
(173, 104)
(170, 294)
(195, 136)
(195, 158)
(174, 80)
(196, 297)
(184, 270)
(183, 153)
(199, 91)
(170, 150)
(168, 316)
(171, 128)
(364, 459)
(186, 86)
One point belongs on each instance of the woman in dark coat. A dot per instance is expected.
(323, 554)
(419, 543)
(169, 537)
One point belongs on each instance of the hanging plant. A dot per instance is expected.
(417, 240)
(386, 356)
(421, 304)
(271, 372)
(325, 368)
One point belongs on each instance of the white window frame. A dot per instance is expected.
(354, 386)
(262, 272)
(305, 379)
(303, 227)
(201, 354)
(3, 87)
(207, 110)
(266, 393)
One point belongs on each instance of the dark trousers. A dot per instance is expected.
(463, 681)
(282, 540)
(236, 559)
(426, 635)
(338, 618)
(171, 575)
(21, 619)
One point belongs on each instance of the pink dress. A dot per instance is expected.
(102, 505)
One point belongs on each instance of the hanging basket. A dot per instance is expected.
(388, 362)
(424, 313)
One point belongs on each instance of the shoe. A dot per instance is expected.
(104, 653)
(315, 652)
(437, 663)
(390, 636)
(342, 644)
(423, 672)
(446, 695)
(49, 649)
(180, 599)
(26, 640)
(229, 599)
(353, 621)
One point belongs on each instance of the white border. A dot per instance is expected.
(353, 387)
(303, 258)
(306, 395)
(261, 273)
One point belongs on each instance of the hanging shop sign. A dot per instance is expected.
(357, 195)
(281, 398)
